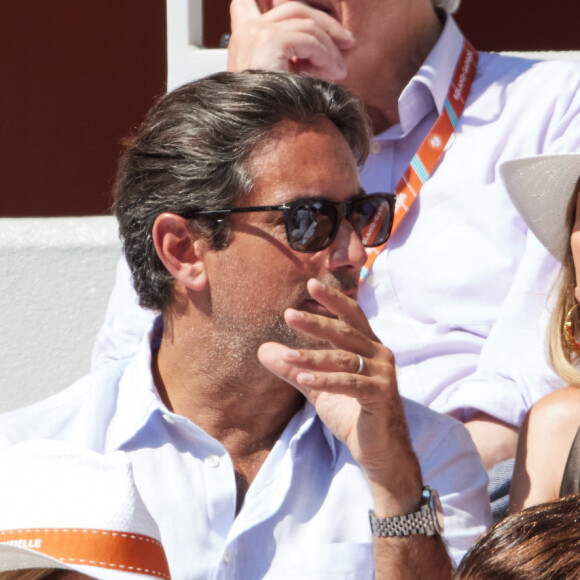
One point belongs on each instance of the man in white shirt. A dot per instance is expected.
(261, 414)
(459, 293)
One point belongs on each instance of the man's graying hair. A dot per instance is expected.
(193, 150)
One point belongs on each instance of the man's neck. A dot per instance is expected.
(233, 398)
(381, 95)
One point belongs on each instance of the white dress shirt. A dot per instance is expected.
(460, 293)
(305, 514)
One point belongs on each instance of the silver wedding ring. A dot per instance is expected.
(361, 364)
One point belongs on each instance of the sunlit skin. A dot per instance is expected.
(545, 439)
(275, 326)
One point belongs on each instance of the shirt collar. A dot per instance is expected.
(137, 397)
(138, 401)
(428, 89)
(307, 419)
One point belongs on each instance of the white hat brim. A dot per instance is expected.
(540, 188)
(15, 558)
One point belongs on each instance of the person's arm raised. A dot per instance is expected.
(291, 37)
(364, 410)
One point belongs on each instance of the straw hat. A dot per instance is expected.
(73, 509)
(540, 188)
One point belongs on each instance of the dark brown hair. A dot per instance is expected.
(541, 542)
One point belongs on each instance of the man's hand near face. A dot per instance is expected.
(363, 410)
(292, 36)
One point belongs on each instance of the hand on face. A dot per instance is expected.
(364, 409)
(292, 37)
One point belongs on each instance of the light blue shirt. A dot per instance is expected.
(305, 515)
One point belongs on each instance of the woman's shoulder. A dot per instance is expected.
(558, 410)
(544, 443)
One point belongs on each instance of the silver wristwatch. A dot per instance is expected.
(428, 519)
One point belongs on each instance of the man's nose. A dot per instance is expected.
(346, 249)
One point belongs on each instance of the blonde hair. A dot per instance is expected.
(565, 360)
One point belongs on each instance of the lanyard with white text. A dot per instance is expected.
(429, 153)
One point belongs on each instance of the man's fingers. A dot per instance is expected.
(342, 306)
(337, 333)
(299, 11)
(335, 360)
(306, 41)
(332, 27)
(242, 11)
(314, 373)
(271, 355)
(290, 37)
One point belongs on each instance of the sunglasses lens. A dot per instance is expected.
(311, 225)
(371, 218)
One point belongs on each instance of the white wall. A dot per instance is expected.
(186, 60)
(55, 278)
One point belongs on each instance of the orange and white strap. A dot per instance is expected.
(99, 548)
(431, 149)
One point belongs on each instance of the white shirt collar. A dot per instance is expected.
(429, 87)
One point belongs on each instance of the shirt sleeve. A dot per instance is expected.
(451, 464)
(513, 371)
(125, 324)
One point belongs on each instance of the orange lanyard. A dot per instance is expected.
(430, 151)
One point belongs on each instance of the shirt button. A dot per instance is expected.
(227, 556)
(375, 147)
(212, 461)
(372, 281)
(168, 419)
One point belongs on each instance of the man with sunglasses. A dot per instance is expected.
(261, 413)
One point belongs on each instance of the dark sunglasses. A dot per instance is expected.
(312, 223)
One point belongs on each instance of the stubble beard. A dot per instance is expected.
(236, 334)
(239, 340)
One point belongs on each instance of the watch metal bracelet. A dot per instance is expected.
(428, 519)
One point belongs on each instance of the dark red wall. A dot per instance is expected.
(77, 75)
(521, 24)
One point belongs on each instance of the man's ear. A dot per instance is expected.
(180, 250)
